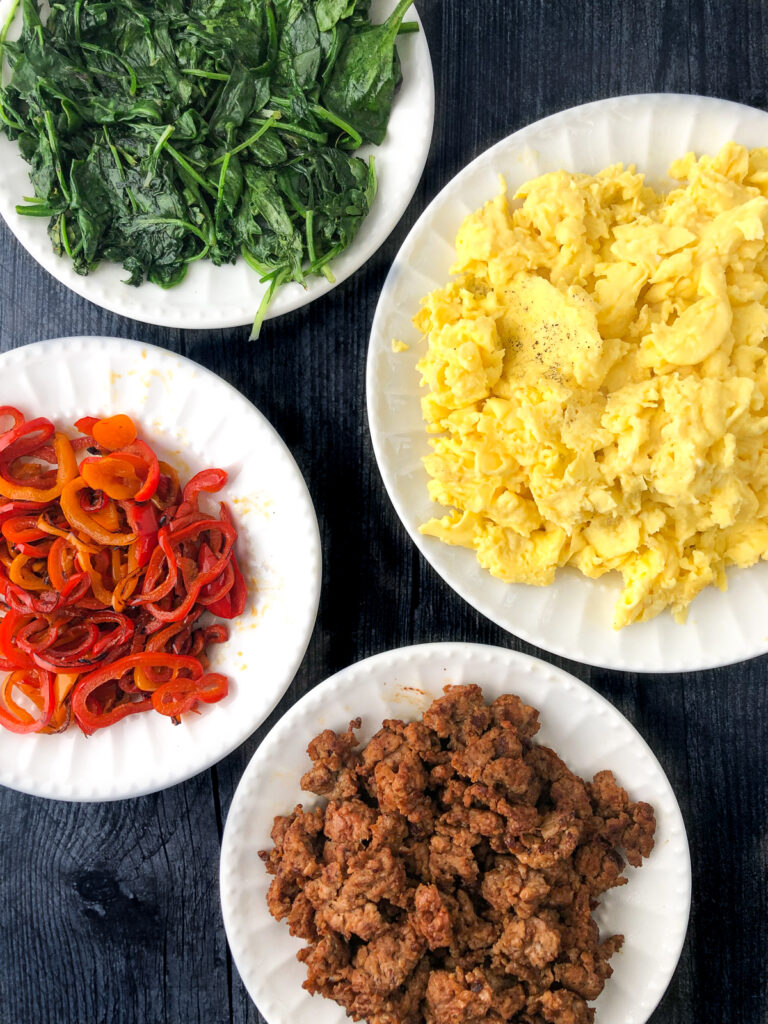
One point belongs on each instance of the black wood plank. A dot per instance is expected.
(110, 913)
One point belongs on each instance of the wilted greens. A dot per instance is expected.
(161, 133)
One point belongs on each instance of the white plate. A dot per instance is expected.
(195, 420)
(213, 297)
(588, 733)
(573, 616)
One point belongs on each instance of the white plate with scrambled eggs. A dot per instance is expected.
(574, 429)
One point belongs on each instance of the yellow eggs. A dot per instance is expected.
(596, 380)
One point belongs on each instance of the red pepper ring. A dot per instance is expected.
(30, 481)
(89, 721)
(177, 697)
(18, 719)
(12, 509)
(16, 416)
(189, 543)
(209, 480)
(168, 544)
(194, 586)
(22, 529)
(75, 589)
(39, 549)
(143, 520)
(219, 589)
(121, 634)
(159, 641)
(192, 531)
(73, 653)
(147, 459)
(152, 590)
(23, 601)
(233, 603)
(20, 440)
(92, 501)
(37, 635)
(10, 652)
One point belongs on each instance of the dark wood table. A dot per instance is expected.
(109, 913)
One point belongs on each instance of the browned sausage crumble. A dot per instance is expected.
(451, 876)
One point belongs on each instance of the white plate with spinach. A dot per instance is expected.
(215, 152)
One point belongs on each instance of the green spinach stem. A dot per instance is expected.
(210, 189)
(355, 138)
(265, 126)
(218, 76)
(7, 23)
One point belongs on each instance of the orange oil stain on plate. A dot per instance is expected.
(253, 504)
(411, 695)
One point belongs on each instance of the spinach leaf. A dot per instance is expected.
(235, 102)
(329, 12)
(91, 200)
(299, 51)
(362, 86)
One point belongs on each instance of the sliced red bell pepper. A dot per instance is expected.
(121, 634)
(141, 450)
(217, 590)
(89, 721)
(18, 719)
(238, 595)
(194, 577)
(16, 416)
(25, 437)
(177, 697)
(208, 480)
(142, 519)
(86, 424)
(22, 529)
(71, 655)
(14, 509)
(225, 599)
(9, 651)
(69, 568)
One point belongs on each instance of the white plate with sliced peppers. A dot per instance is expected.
(159, 568)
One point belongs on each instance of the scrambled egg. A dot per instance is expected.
(597, 380)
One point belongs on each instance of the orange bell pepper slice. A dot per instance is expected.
(19, 574)
(79, 519)
(115, 476)
(114, 432)
(66, 471)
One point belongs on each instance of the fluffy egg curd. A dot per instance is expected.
(597, 380)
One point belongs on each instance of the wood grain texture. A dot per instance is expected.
(109, 914)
